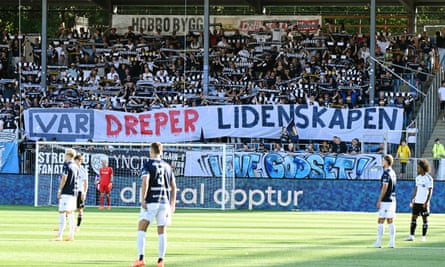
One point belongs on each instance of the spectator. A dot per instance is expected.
(403, 153)
(246, 148)
(284, 136)
(310, 148)
(324, 147)
(411, 137)
(355, 147)
(438, 153)
(261, 148)
(441, 93)
(338, 146)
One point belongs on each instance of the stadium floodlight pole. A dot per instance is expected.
(44, 44)
(205, 77)
(372, 52)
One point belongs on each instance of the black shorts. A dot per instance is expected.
(80, 204)
(419, 210)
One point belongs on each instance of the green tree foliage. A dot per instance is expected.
(31, 16)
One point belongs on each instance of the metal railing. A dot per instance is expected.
(428, 113)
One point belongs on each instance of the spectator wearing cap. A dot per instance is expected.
(438, 152)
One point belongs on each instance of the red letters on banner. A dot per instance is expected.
(152, 123)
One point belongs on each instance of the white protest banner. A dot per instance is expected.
(195, 123)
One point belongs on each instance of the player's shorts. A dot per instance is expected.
(442, 105)
(67, 203)
(104, 188)
(387, 210)
(80, 204)
(160, 211)
(419, 210)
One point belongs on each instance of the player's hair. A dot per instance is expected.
(71, 152)
(389, 159)
(424, 164)
(156, 148)
(78, 157)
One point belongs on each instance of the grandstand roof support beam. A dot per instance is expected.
(411, 9)
(257, 5)
(408, 4)
(104, 4)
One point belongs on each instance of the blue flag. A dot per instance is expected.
(292, 131)
(9, 158)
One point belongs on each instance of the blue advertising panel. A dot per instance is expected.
(252, 194)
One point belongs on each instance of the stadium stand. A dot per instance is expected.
(136, 72)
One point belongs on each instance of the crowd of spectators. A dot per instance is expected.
(134, 71)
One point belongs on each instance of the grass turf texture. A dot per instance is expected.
(217, 238)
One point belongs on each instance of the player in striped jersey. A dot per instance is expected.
(420, 200)
(82, 189)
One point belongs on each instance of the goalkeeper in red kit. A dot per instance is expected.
(105, 183)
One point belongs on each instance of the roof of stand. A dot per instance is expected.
(258, 5)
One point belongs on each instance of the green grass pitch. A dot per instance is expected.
(217, 238)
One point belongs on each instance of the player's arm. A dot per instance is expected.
(144, 188)
(85, 185)
(100, 176)
(413, 196)
(110, 185)
(62, 184)
(382, 194)
(173, 190)
(428, 198)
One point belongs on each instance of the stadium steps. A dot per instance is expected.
(438, 132)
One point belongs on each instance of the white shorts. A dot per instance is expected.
(387, 210)
(161, 212)
(67, 203)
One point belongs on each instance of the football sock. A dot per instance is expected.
(392, 233)
(141, 243)
(72, 225)
(101, 201)
(162, 245)
(424, 229)
(62, 223)
(79, 220)
(108, 200)
(413, 227)
(380, 230)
